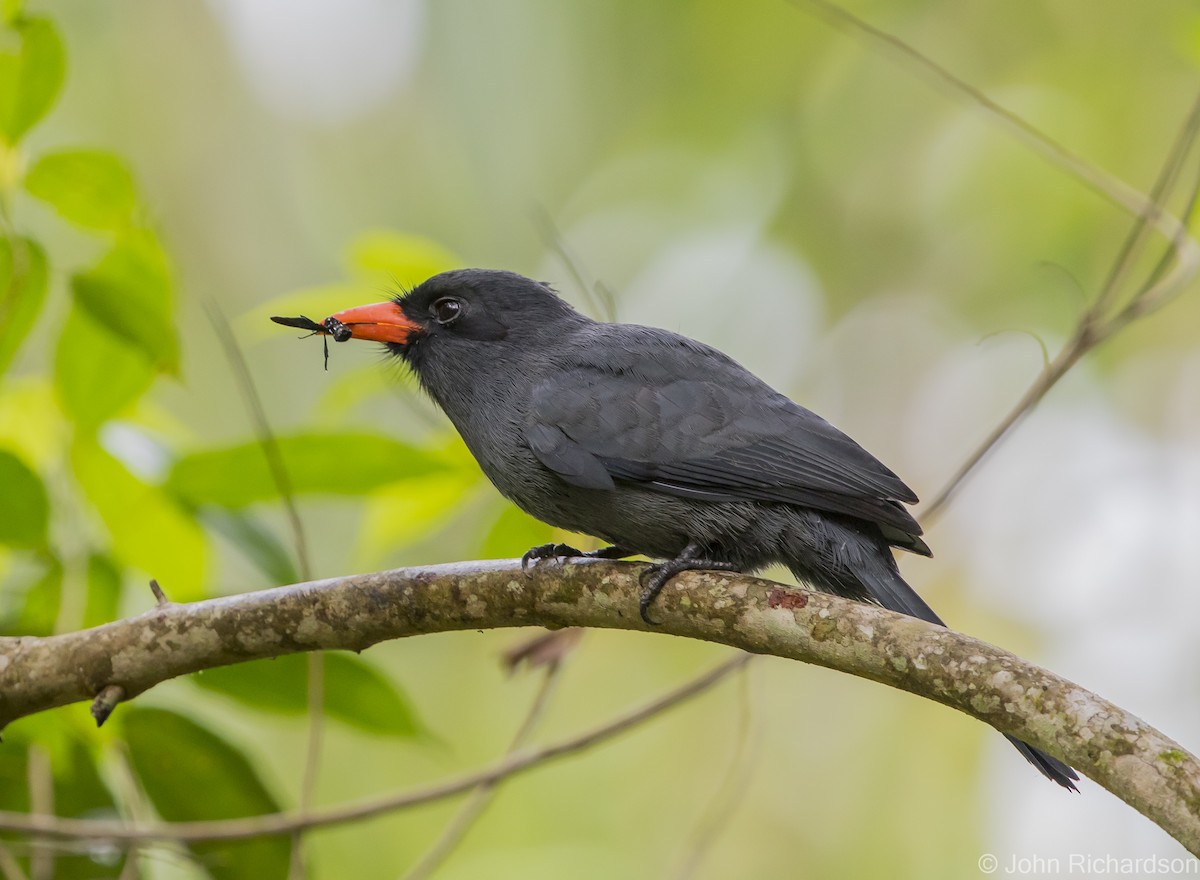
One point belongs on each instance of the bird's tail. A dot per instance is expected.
(882, 584)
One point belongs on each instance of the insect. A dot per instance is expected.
(331, 326)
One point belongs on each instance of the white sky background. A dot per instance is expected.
(321, 63)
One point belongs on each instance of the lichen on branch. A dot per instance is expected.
(1148, 770)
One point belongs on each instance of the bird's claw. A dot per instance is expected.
(536, 554)
(654, 577)
(652, 581)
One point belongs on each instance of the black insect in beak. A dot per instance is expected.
(331, 326)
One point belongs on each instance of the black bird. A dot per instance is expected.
(653, 442)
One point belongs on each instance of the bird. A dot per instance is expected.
(653, 442)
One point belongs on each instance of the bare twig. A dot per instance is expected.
(1094, 178)
(1153, 296)
(10, 868)
(1164, 185)
(1095, 326)
(599, 296)
(1139, 764)
(160, 597)
(283, 483)
(134, 807)
(131, 870)
(282, 823)
(312, 756)
(543, 650)
(733, 787)
(456, 831)
(1070, 355)
(266, 436)
(40, 779)
(105, 702)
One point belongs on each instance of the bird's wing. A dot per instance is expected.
(685, 420)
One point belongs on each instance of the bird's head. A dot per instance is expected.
(459, 310)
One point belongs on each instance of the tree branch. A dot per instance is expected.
(45, 826)
(1120, 752)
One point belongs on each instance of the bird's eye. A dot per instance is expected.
(446, 309)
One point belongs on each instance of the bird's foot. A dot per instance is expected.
(655, 577)
(566, 551)
(534, 555)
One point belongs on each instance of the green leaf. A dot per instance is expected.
(96, 374)
(78, 792)
(149, 532)
(191, 773)
(356, 693)
(129, 292)
(92, 188)
(31, 423)
(103, 591)
(415, 510)
(22, 292)
(362, 696)
(276, 685)
(24, 507)
(32, 608)
(256, 541)
(14, 775)
(30, 78)
(394, 258)
(334, 464)
(11, 10)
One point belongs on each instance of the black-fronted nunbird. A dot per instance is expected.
(653, 442)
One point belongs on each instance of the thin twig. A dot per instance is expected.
(105, 702)
(10, 868)
(1094, 327)
(40, 779)
(1059, 367)
(1164, 185)
(266, 436)
(1149, 211)
(285, 823)
(597, 292)
(283, 483)
(312, 757)
(160, 598)
(456, 831)
(1099, 181)
(135, 807)
(731, 792)
(131, 801)
(131, 870)
(1153, 296)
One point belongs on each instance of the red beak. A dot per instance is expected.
(378, 322)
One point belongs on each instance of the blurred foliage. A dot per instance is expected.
(24, 510)
(355, 691)
(81, 527)
(189, 772)
(738, 172)
(23, 275)
(335, 464)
